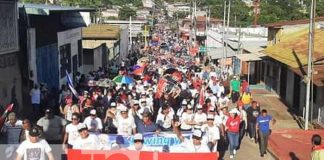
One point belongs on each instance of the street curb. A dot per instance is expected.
(272, 154)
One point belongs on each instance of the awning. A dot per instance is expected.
(249, 57)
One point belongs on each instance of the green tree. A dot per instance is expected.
(125, 12)
(276, 10)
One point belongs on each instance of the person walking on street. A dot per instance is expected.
(233, 130)
(35, 95)
(318, 148)
(34, 147)
(252, 114)
(263, 128)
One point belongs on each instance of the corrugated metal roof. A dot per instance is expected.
(101, 32)
(293, 48)
(45, 9)
(217, 53)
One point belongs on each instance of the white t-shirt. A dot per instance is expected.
(191, 148)
(73, 133)
(186, 117)
(223, 101)
(90, 143)
(200, 118)
(218, 120)
(93, 124)
(221, 90)
(125, 126)
(34, 151)
(212, 133)
(164, 120)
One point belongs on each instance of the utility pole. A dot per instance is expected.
(195, 19)
(223, 38)
(130, 33)
(206, 30)
(310, 58)
(227, 30)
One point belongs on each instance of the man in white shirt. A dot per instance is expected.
(34, 148)
(200, 117)
(182, 108)
(35, 95)
(12, 129)
(93, 122)
(193, 145)
(138, 143)
(86, 141)
(212, 132)
(125, 125)
(164, 118)
(187, 119)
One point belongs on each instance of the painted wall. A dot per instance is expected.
(68, 46)
(10, 81)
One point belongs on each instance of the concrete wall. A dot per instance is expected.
(10, 81)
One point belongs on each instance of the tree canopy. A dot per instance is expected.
(125, 12)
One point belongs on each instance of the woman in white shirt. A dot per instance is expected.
(71, 131)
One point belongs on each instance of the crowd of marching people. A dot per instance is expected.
(169, 94)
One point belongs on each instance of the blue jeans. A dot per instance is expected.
(233, 139)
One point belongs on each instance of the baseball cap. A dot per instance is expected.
(48, 110)
(93, 112)
(184, 102)
(135, 102)
(113, 104)
(34, 132)
(82, 127)
(210, 117)
(234, 111)
(197, 134)
(146, 112)
(138, 137)
(123, 108)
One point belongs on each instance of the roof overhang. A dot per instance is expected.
(250, 57)
(43, 9)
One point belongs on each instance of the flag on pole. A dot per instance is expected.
(202, 96)
(8, 109)
(70, 84)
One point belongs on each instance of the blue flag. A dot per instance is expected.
(70, 84)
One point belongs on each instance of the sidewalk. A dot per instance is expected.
(287, 141)
(292, 144)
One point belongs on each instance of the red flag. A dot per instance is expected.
(160, 87)
(202, 96)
